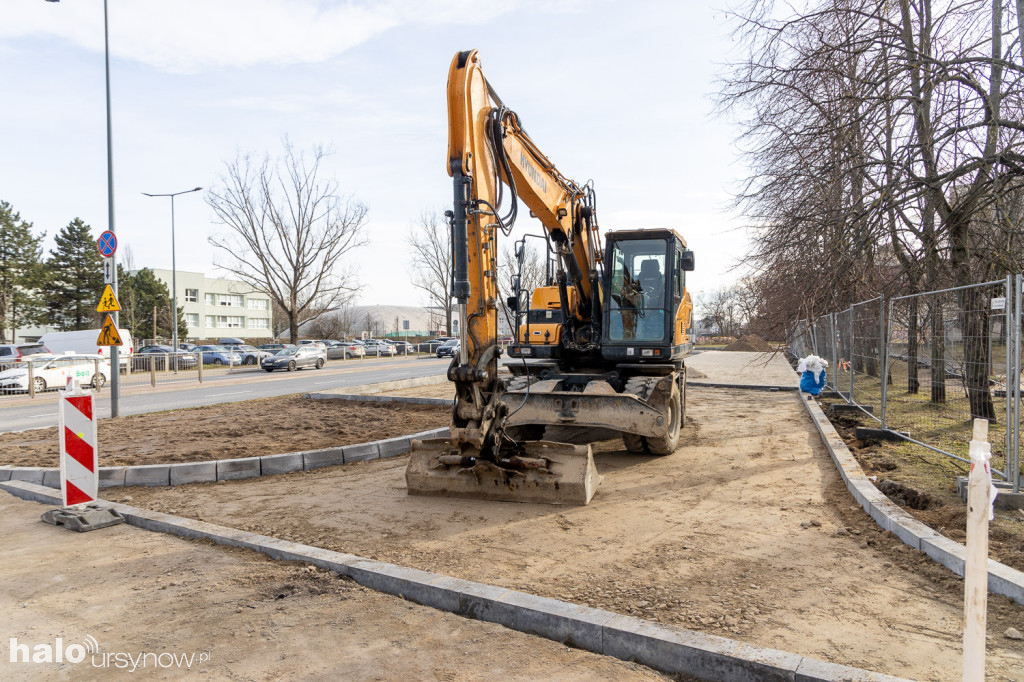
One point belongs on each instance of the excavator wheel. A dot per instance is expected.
(664, 445)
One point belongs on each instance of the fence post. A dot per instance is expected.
(833, 341)
(152, 371)
(31, 380)
(199, 364)
(1018, 281)
(95, 370)
(849, 360)
(883, 350)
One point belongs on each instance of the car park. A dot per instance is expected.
(12, 353)
(54, 371)
(274, 347)
(448, 349)
(378, 347)
(403, 347)
(251, 355)
(218, 355)
(161, 357)
(292, 359)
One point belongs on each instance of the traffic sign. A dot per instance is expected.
(107, 244)
(108, 270)
(108, 302)
(108, 333)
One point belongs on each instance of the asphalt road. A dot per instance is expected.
(27, 413)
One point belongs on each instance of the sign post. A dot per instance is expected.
(107, 246)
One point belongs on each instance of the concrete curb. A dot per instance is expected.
(181, 473)
(668, 649)
(746, 387)
(888, 515)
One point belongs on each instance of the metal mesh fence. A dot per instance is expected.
(948, 364)
(864, 355)
(844, 344)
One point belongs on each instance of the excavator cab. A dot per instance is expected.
(648, 313)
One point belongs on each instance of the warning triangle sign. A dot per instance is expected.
(108, 302)
(108, 333)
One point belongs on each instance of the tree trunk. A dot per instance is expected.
(913, 383)
(976, 358)
(938, 355)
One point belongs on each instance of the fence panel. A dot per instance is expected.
(844, 345)
(948, 361)
(865, 356)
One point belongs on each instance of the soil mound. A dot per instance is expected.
(750, 343)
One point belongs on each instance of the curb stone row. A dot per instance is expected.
(669, 649)
(1002, 579)
(228, 469)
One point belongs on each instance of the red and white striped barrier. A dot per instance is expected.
(79, 466)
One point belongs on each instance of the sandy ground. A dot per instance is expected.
(746, 531)
(268, 426)
(136, 591)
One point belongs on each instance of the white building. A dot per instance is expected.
(216, 307)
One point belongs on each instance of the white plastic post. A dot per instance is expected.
(980, 497)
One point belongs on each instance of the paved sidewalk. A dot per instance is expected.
(741, 369)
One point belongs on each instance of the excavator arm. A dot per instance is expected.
(493, 162)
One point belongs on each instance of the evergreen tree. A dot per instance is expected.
(21, 273)
(139, 293)
(74, 279)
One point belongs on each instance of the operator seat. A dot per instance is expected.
(653, 283)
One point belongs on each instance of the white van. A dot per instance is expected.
(83, 342)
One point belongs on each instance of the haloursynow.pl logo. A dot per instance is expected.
(59, 652)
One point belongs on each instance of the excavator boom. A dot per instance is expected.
(490, 154)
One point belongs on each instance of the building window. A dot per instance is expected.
(259, 323)
(192, 320)
(211, 299)
(229, 321)
(211, 321)
(258, 304)
(230, 300)
(191, 295)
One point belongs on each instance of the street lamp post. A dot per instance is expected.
(115, 363)
(174, 268)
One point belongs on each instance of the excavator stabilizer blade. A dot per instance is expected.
(568, 475)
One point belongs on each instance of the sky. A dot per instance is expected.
(620, 93)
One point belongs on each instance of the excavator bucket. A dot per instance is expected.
(543, 472)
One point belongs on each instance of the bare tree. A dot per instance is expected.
(431, 244)
(288, 231)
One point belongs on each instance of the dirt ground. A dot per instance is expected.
(135, 592)
(268, 426)
(745, 531)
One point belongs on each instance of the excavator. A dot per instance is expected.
(607, 348)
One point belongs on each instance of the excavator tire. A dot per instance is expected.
(667, 444)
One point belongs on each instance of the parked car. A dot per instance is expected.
(161, 357)
(54, 371)
(83, 342)
(251, 355)
(378, 347)
(294, 358)
(11, 353)
(186, 346)
(434, 344)
(403, 347)
(274, 347)
(218, 355)
(448, 349)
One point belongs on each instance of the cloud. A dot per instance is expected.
(187, 36)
